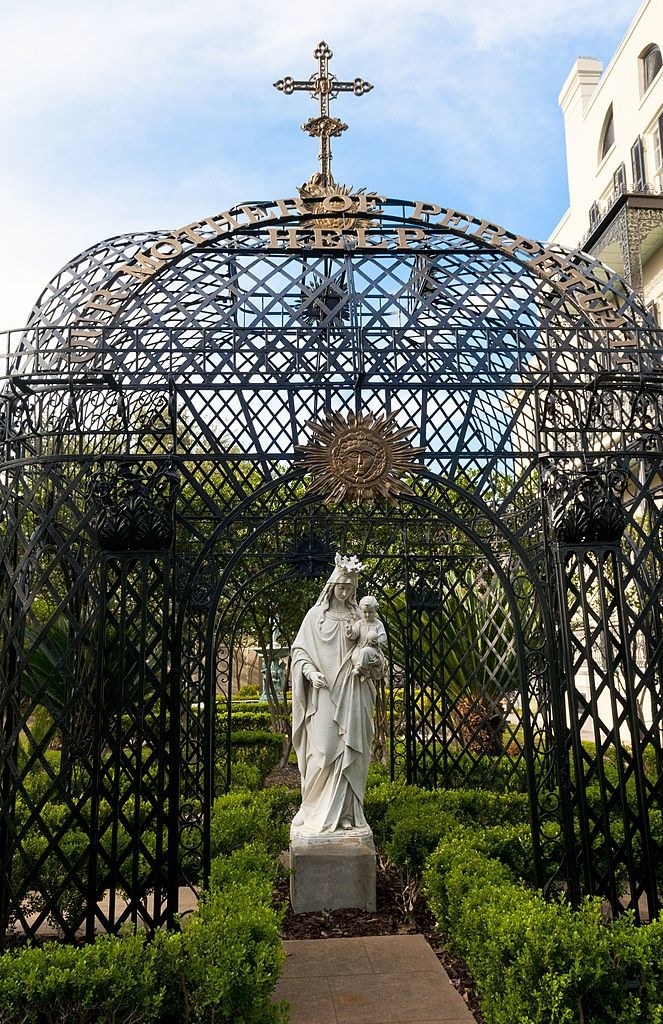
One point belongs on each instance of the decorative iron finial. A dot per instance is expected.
(324, 87)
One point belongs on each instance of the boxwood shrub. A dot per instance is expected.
(222, 966)
(241, 817)
(534, 960)
(537, 961)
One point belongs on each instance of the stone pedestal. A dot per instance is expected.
(332, 871)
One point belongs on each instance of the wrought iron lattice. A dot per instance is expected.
(156, 415)
(612, 646)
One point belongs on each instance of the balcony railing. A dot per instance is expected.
(601, 210)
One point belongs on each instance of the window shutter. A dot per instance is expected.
(651, 65)
(607, 134)
(658, 145)
(638, 164)
(619, 180)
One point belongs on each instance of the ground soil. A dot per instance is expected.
(393, 915)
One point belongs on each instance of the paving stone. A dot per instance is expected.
(309, 999)
(399, 954)
(386, 998)
(385, 979)
(325, 958)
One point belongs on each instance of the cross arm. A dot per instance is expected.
(359, 87)
(289, 85)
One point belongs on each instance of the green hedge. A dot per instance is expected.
(408, 822)
(541, 962)
(222, 967)
(231, 956)
(241, 817)
(256, 718)
(253, 754)
(257, 747)
(534, 961)
(111, 980)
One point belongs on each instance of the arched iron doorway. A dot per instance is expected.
(166, 387)
(470, 637)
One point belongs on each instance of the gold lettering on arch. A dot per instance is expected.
(546, 263)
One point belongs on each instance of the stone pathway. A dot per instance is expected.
(381, 979)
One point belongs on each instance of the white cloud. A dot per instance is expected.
(124, 115)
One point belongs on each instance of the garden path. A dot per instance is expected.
(378, 979)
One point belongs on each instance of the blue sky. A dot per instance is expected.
(123, 116)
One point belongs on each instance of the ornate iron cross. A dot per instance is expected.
(324, 87)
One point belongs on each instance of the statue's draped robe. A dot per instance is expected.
(332, 725)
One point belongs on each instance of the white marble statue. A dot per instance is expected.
(332, 707)
(367, 658)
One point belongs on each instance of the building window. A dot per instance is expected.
(658, 152)
(653, 312)
(638, 164)
(607, 134)
(650, 65)
(594, 215)
(619, 180)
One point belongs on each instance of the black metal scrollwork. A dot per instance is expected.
(586, 509)
(424, 596)
(311, 558)
(135, 507)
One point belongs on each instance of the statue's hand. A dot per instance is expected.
(318, 680)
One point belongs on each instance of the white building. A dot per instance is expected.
(613, 122)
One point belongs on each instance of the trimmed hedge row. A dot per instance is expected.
(534, 961)
(259, 749)
(240, 818)
(541, 962)
(222, 967)
(408, 822)
(253, 754)
(256, 718)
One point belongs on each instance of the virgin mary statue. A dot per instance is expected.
(332, 708)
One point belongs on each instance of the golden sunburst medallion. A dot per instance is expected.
(360, 458)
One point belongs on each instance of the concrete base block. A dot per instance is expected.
(332, 871)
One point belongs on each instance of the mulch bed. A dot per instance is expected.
(391, 916)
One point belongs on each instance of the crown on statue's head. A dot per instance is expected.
(347, 569)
